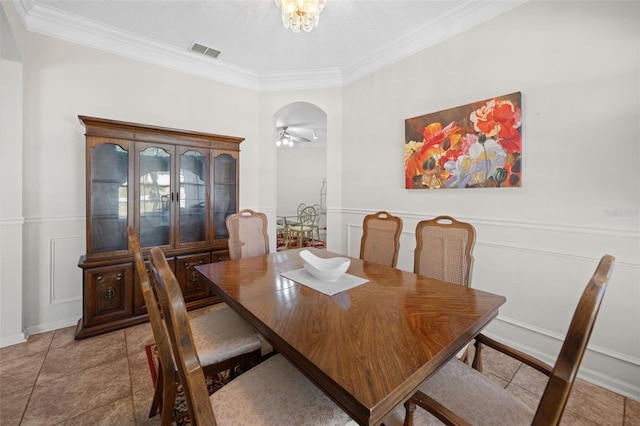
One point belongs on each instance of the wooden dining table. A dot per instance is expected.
(368, 348)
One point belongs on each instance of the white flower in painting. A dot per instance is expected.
(477, 166)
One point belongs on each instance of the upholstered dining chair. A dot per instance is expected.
(272, 393)
(247, 234)
(223, 340)
(458, 394)
(444, 249)
(304, 228)
(381, 238)
(248, 238)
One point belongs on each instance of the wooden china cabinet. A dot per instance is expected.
(176, 188)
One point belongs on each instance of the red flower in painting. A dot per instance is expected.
(435, 134)
(499, 119)
(450, 155)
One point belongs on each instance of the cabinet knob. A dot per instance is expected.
(109, 293)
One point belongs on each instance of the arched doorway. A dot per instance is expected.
(301, 160)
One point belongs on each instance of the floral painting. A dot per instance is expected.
(478, 145)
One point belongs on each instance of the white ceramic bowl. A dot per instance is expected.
(325, 269)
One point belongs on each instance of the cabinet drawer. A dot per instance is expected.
(192, 286)
(219, 256)
(108, 294)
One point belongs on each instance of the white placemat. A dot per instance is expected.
(329, 288)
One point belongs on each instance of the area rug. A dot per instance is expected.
(213, 384)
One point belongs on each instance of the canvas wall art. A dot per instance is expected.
(478, 145)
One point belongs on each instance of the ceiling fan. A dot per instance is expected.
(288, 139)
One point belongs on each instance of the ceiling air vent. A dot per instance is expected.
(205, 50)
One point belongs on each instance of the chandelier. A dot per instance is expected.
(301, 14)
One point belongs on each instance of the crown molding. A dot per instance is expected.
(52, 22)
(65, 26)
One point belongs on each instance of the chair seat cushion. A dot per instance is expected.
(275, 393)
(302, 228)
(469, 394)
(221, 334)
(475, 397)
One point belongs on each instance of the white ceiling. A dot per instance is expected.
(354, 37)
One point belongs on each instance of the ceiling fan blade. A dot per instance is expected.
(285, 133)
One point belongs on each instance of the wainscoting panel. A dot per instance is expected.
(52, 281)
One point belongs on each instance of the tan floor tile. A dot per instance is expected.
(20, 373)
(63, 337)
(499, 364)
(569, 418)
(631, 412)
(117, 413)
(530, 379)
(595, 403)
(73, 394)
(138, 337)
(142, 404)
(530, 399)
(140, 376)
(12, 406)
(497, 380)
(36, 343)
(81, 354)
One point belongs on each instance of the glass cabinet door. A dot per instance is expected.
(225, 191)
(193, 174)
(155, 196)
(109, 197)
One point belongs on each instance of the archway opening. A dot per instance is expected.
(301, 167)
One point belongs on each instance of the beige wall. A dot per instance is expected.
(576, 64)
(11, 218)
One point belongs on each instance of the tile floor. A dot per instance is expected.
(55, 380)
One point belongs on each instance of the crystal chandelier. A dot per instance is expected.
(301, 14)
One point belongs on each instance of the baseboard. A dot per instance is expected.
(12, 340)
(43, 328)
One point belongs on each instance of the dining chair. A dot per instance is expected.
(248, 237)
(444, 249)
(247, 234)
(381, 238)
(316, 223)
(458, 394)
(223, 341)
(272, 393)
(304, 228)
